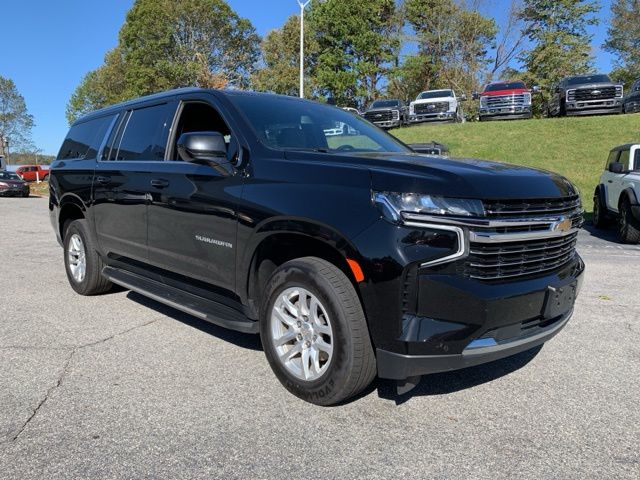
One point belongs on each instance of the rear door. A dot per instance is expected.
(122, 182)
(193, 207)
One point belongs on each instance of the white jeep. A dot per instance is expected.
(618, 194)
(436, 105)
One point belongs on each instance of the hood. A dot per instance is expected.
(433, 100)
(463, 178)
(510, 91)
(382, 109)
(594, 85)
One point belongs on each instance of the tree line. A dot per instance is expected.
(356, 51)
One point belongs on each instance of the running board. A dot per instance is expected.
(186, 302)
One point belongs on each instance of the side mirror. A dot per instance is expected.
(536, 89)
(205, 147)
(475, 95)
(556, 90)
(463, 97)
(616, 167)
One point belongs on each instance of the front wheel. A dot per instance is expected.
(314, 332)
(600, 219)
(628, 228)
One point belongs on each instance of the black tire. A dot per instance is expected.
(45, 178)
(628, 228)
(352, 366)
(25, 195)
(600, 218)
(93, 283)
(562, 111)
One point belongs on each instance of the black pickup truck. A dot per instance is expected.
(351, 255)
(586, 95)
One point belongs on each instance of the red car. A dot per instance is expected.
(31, 173)
(505, 100)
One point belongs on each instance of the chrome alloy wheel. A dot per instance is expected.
(301, 334)
(77, 257)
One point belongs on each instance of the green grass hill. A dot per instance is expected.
(576, 147)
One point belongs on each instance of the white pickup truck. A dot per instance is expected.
(436, 105)
(617, 196)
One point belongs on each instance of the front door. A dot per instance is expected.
(192, 212)
(122, 181)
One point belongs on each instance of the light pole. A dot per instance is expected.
(302, 7)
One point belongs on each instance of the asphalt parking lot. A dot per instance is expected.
(118, 386)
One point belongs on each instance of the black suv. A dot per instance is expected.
(351, 255)
(586, 95)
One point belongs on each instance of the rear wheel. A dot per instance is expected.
(628, 228)
(314, 332)
(82, 262)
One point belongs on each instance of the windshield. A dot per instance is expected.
(588, 79)
(8, 176)
(385, 103)
(287, 123)
(494, 87)
(435, 94)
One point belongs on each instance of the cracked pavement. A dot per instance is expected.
(119, 386)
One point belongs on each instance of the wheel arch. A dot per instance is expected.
(273, 245)
(71, 208)
(630, 194)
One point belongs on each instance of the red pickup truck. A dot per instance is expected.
(32, 173)
(505, 100)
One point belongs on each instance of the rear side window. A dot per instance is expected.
(637, 160)
(145, 134)
(84, 139)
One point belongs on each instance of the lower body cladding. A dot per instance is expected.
(433, 117)
(505, 113)
(593, 107)
(632, 106)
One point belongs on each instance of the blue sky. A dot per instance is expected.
(49, 46)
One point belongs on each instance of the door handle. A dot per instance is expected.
(159, 183)
(103, 180)
(609, 181)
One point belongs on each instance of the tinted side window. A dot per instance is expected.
(84, 139)
(624, 158)
(637, 160)
(145, 134)
(613, 157)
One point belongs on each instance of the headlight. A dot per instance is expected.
(4, 185)
(483, 101)
(411, 109)
(391, 204)
(527, 99)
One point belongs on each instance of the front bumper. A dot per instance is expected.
(462, 322)
(500, 113)
(399, 367)
(15, 192)
(594, 107)
(389, 124)
(432, 117)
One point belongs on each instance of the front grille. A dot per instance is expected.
(426, 108)
(531, 207)
(593, 93)
(382, 116)
(516, 259)
(514, 239)
(499, 101)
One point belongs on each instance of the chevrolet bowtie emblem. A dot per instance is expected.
(563, 225)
